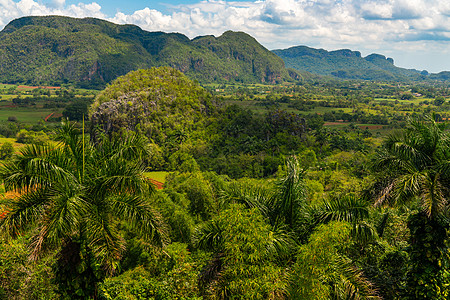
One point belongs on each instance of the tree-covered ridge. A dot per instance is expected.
(345, 64)
(92, 52)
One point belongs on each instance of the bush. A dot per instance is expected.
(6, 150)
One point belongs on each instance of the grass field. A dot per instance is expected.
(414, 101)
(6, 86)
(158, 176)
(26, 115)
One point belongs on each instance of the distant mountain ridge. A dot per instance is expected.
(92, 52)
(346, 64)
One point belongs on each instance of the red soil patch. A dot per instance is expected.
(46, 118)
(8, 195)
(158, 185)
(371, 127)
(38, 87)
(334, 123)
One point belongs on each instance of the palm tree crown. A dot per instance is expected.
(79, 191)
(415, 165)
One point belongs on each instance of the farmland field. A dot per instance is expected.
(25, 114)
(158, 176)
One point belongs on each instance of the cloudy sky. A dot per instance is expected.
(415, 33)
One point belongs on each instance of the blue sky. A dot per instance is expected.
(415, 33)
(111, 7)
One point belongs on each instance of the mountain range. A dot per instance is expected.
(91, 52)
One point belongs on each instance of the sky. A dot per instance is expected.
(415, 33)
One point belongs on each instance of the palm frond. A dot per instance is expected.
(209, 236)
(250, 196)
(348, 208)
(364, 233)
(433, 199)
(407, 186)
(119, 177)
(349, 282)
(60, 221)
(281, 243)
(141, 216)
(23, 211)
(104, 241)
(291, 196)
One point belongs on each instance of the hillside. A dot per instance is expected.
(92, 52)
(345, 64)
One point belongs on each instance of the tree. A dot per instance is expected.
(6, 150)
(76, 110)
(71, 197)
(244, 263)
(414, 166)
(322, 271)
(439, 100)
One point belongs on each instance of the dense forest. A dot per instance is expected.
(315, 190)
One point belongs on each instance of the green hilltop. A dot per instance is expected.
(91, 52)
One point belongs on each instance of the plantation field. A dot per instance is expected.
(25, 114)
(6, 86)
(158, 176)
(413, 101)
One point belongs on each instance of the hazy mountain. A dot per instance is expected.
(92, 52)
(346, 64)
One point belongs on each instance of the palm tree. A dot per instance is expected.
(414, 166)
(73, 195)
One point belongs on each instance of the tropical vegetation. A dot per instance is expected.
(259, 201)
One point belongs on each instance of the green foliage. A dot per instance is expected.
(322, 271)
(199, 193)
(415, 163)
(428, 276)
(176, 215)
(72, 195)
(177, 279)
(27, 137)
(413, 167)
(76, 110)
(246, 268)
(20, 279)
(6, 150)
(155, 102)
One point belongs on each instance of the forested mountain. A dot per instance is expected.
(347, 64)
(91, 52)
